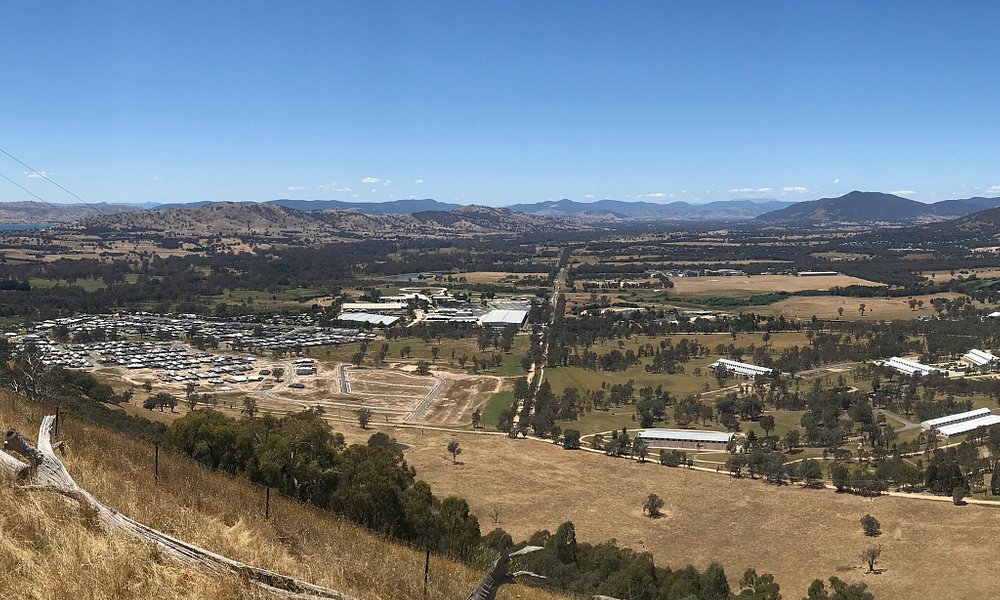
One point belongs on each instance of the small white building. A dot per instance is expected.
(910, 367)
(740, 368)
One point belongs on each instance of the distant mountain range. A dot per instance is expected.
(874, 207)
(724, 210)
(854, 207)
(38, 213)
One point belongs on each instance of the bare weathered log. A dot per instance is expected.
(46, 472)
(499, 575)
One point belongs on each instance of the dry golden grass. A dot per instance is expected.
(757, 284)
(825, 307)
(48, 550)
(931, 549)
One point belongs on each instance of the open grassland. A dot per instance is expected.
(825, 307)
(794, 533)
(757, 284)
(51, 551)
(942, 276)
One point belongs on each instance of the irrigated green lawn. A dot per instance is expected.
(500, 402)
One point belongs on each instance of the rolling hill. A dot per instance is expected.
(873, 207)
(273, 221)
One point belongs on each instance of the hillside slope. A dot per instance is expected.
(273, 221)
(44, 541)
(868, 207)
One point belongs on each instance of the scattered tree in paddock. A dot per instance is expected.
(958, 495)
(477, 419)
(249, 407)
(871, 526)
(871, 555)
(571, 439)
(455, 450)
(652, 506)
(364, 416)
(278, 373)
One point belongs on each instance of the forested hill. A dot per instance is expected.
(868, 207)
(268, 220)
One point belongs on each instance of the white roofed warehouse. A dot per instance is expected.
(740, 368)
(686, 438)
(980, 358)
(962, 422)
(504, 318)
(909, 367)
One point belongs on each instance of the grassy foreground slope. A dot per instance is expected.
(48, 549)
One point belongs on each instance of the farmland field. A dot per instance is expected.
(756, 284)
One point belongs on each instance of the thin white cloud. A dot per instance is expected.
(590, 196)
(418, 181)
(656, 195)
(837, 180)
(333, 187)
(370, 180)
(296, 188)
(902, 192)
(993, 189)
(156, 178)
(387, 182)
(37, 174)
(760, 190)
(794, 189)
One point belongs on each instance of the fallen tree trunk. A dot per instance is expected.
(44, 471)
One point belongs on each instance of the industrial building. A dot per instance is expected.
(504, 318)
(740, 368)
(366, 318)
(686, 438)
(962, 422)
(378, 308)
(817, 273)
(910, 367)
(980, 357)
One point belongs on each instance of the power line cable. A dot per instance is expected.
(46, 178)
(27, 191)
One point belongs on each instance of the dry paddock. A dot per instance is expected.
(930, 549)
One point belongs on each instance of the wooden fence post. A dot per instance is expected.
(427, 569)
(267, 502)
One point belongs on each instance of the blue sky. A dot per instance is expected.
(500, 102)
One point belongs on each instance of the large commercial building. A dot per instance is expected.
(740, 368)
(980, 358)
(378, 308)
(910, 367)
(686, 438)
(962, 422)
(504, 318)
